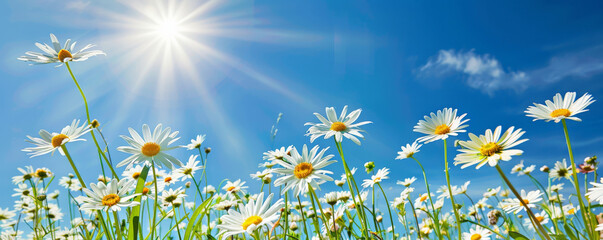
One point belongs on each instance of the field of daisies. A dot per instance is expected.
(153, 195)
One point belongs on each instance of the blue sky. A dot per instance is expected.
(243, 63)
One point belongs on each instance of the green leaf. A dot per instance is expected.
(517, 236)
(559, 237)
(198, 213)
(135, 216)
(569, 232)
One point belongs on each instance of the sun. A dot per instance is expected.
(168, 29)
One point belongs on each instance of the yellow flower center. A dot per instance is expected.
(145, 191)
(251, 220)
(476, 236)
(111, 199)
(338, 126)
(571, 211)
(150, 149)
(442, 129)
(167, 179)
(490, 149)
(560, 112)
(41, 173)
(526, 201)
(57, 140)
(539, 218)
(303, 170)
(136, 175)
(423, 198)
(230, 188)
(64, 54)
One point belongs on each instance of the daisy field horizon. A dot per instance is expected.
(235, 113)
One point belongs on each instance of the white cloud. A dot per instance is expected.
(486, 73)
(483, 72)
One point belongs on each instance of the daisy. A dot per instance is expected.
(196, 142)
(26, 174)
(58, 54)
(343, 126)
(409, 150)
(330, 198)
(235, 187)
(596, 192)
(48, 143)
(151, 147)
(440, 125)
(377, 178)
(209, 189)
(189, 169)
(477, 233)
(570, 209)
(561, 170)
(560, 108)
(530, 199)
(70, 183)
(455, 190)
(407, 181)
(6, 214)
(172, 195)
(263, 175)
(277, 154)
(489, 148)
(254, 215)
(542, 218)
(112, 196)
(300, 170)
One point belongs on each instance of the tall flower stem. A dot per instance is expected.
(90, 122)
(316, 227)
(412, 206)
(286, 215)
(528, 210)
(155, 205)
(435, 214)
(456, 212)
(315, 197)
(77, 173)
(301, 212)
(584, 212)
(351, 184)
(391, 218)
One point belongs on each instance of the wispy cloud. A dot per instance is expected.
(486, 73)
(483, 72)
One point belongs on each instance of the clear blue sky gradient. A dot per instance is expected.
(298, 57)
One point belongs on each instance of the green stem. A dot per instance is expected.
(77, 173)
(528, 210)
(391, 218)
(456, 212)
(90, 121)
(301, 212)
(435, 214)
(584, 212)
(155, 205)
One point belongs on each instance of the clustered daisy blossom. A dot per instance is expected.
(340, 127)
(151, 147)
(112, 196)
(59, 54)
(251, 216)
(299, 170)
(489, 148)
(440, 125)
(48, 142)
(560, 108)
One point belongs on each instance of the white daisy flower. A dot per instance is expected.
(330, 198)
(189, 169)
(407, 181)
(112, 196)
(58, 54)
(250, 217)
(491, 192)
(377, 178)
(151, 147)
(489, 148)
(477, 233)
(25, 175)
(455, 190)
(440, 125)
(561, 170)
(196, 142)
(515, 206)
(264, 174)
(172, 195)
(48, 142)
(560, 108)
(409, 150)
(235, 187)
(343, 126)
(6, 214)
(70, 183)
(542, 217)
(209, 190)
(596, 192)
(277, 154)
(569, 209)
(300, 170)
